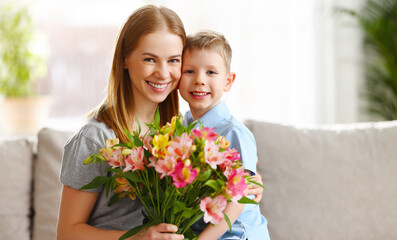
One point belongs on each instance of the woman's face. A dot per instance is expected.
(155, 66)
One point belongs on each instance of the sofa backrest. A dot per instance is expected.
(328, 182)
(16, 161)
(46, 184)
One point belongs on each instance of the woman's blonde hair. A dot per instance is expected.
(117, 108)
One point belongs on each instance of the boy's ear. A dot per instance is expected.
(229, 81)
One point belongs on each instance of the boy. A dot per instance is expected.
(205, 76)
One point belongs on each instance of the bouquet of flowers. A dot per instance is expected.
(180, 174)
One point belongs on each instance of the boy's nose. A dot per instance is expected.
(199, 80)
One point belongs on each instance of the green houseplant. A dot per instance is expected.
(20, 68)
(378, 20)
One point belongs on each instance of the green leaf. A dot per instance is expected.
(191, 126)
(132, 232)
(139, 125)
(256, 183)
(228, 222)
(204, 177)
(138, 142)
(193, 195)
(178, 206)
(213, 184)
(189, 235)
(129, 137)
(94, 158)
(121, 145)
(189, 212)
(89, 160)
(246, 200)
(157, 117)
(95, 183)
(135, 230)
(108, 186)
(114, 199)
(179, 128)
(132, 176)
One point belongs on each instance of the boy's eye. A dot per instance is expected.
(211, 72)
(188, 71)
(148, 60)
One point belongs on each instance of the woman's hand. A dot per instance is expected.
(162, 231)
(254, 189)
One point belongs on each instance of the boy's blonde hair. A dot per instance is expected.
(210, 40)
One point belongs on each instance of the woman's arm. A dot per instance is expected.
(213, 232)
(75, 209)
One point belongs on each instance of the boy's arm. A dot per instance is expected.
(213, 232)
(254, 189)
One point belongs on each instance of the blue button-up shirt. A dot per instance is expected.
(250, 224)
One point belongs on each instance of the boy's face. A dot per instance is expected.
(204, 78)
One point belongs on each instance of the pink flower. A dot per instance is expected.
(146, 143)
(233, 155)
(212, 155)
(207, 133)
(136, 160)
(231, 160)
(114, 156)
(183, 174)
(165, 166)
(213, 208)
(235, 185)
(180, 147)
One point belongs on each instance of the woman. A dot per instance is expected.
(145, 71)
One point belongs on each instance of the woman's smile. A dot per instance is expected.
(158, 87)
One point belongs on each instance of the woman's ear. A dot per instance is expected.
(125, 63)
(229, 81)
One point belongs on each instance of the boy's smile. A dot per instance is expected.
(204, 79)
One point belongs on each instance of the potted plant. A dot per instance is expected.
(378, 20)
(20, 68)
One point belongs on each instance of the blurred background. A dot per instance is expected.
(297, 62)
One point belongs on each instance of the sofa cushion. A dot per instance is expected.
(16, 154)
(329, 182)
(47, 187)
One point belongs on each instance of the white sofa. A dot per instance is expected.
(323, 182)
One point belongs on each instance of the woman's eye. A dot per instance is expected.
(175, 60)
(148, 60)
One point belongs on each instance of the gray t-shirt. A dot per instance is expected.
(122, 215)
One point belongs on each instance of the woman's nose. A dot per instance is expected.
(162, 71)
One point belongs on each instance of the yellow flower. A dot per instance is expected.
(123, 187)
(111, 142)
(169, 128)
(160, 143)
(223, 143)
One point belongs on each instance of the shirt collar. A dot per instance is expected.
(213, 116)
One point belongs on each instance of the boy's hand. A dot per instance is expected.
(254, 189)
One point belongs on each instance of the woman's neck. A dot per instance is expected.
(144, 114)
